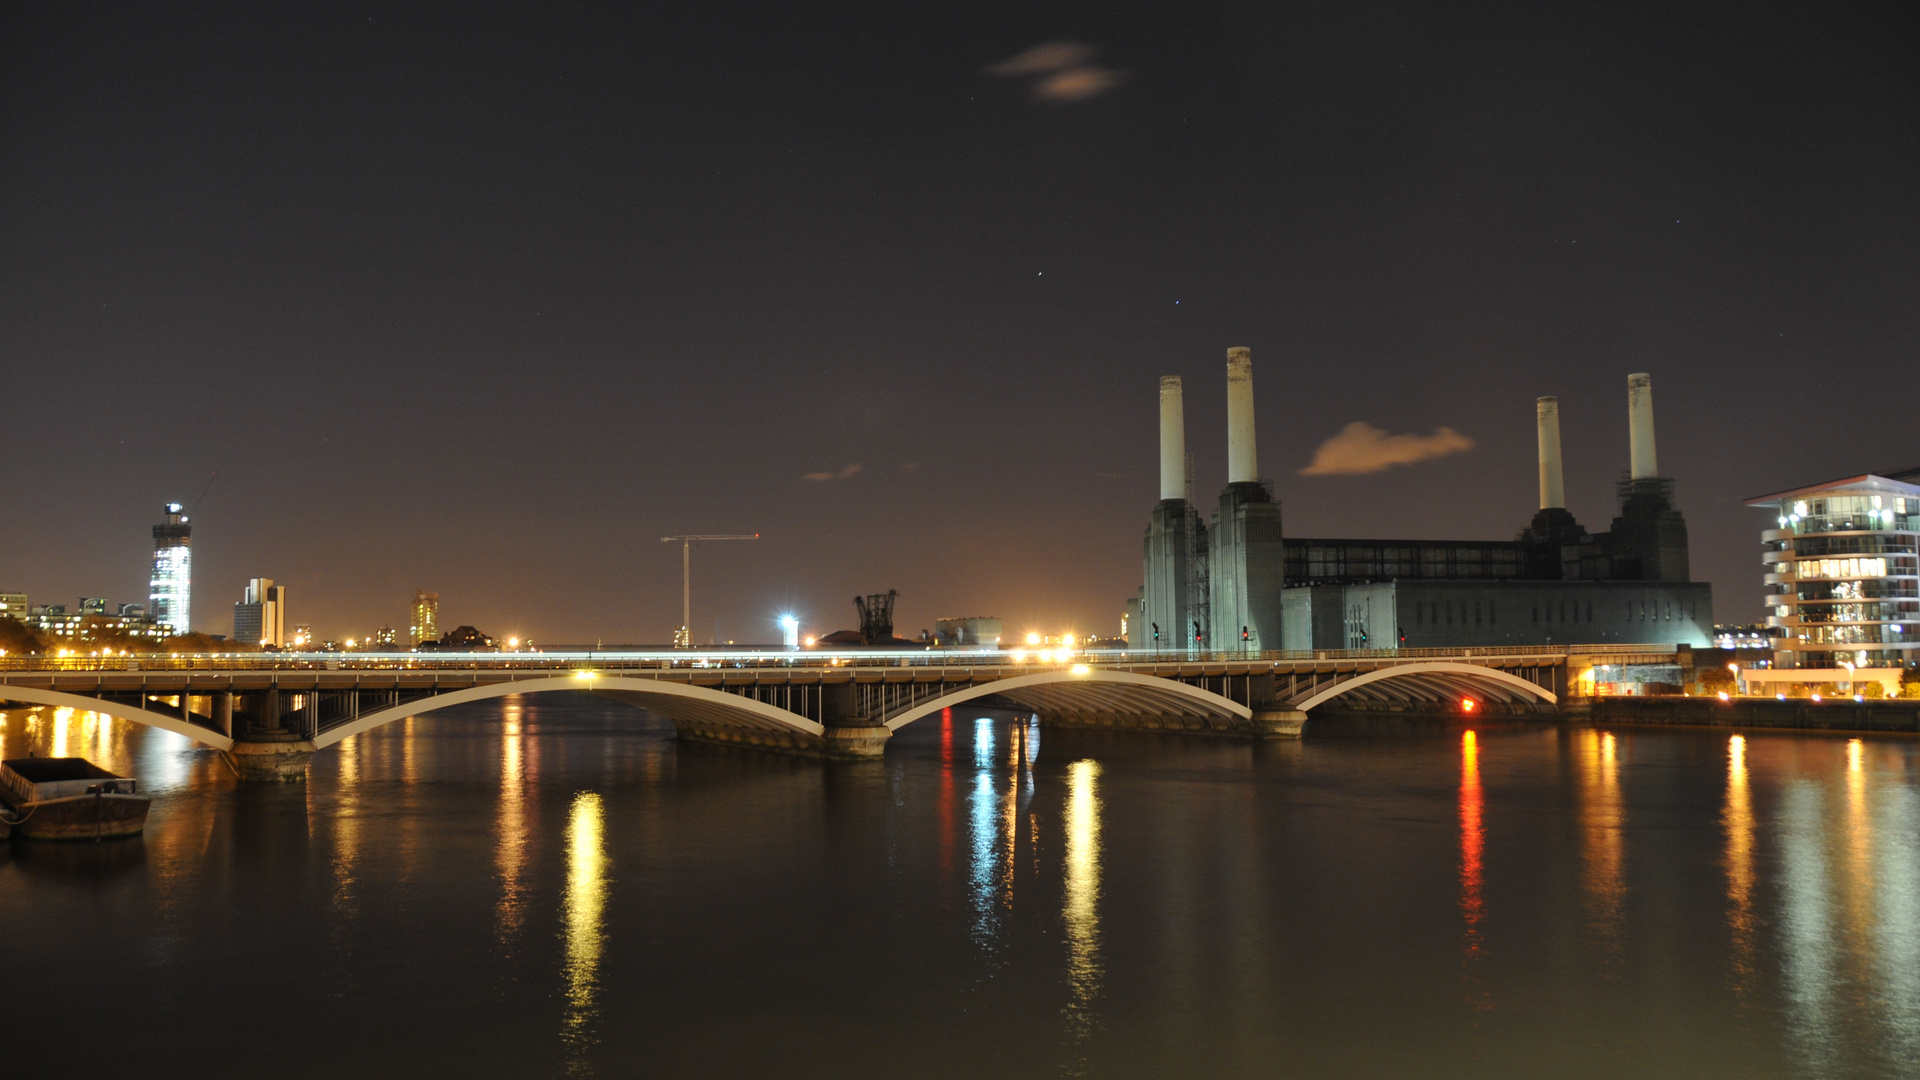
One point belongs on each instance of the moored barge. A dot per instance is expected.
(70, 799)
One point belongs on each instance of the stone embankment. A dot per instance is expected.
(1845, 714)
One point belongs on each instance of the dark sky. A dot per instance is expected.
(488, 300)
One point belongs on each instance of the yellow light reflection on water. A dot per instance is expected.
(585, 903)
(1602, 822)
(1082, 907)
(346, 826)
(62, 729)
(1737, 820)
(1857, 906)
(511, 855)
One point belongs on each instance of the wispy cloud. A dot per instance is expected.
(1067, 69)
(821, 477)
(1053, 56)
(1076, 84)
(1362, 448)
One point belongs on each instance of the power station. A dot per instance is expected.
(1238, 582)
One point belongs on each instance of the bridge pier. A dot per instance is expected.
(271, 760)
(265, 751)
(1271, 718)
(1275, 722)
(850, 734)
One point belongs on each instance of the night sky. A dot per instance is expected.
(488, 300)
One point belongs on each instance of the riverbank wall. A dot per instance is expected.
(1887, 714)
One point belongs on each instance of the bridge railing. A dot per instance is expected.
(696, 659)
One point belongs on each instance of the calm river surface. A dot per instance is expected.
(553, 886)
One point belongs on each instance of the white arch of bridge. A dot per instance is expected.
(1094, 690)
(673, 700)
(34, 696)
(1440, 678)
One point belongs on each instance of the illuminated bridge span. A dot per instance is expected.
(269, 714)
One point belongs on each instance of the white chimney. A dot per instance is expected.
(1243, 464)
(1173, 439)
(1553, 485)
(1640, 426)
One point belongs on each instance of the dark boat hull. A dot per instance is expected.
(82, 817)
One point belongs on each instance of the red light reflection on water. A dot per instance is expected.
(946, 800)
(1473, 841)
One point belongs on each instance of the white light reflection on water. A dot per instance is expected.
(585, 933)
(983, 832)
(1081, 911)
(1806, 921)
(1897, 855)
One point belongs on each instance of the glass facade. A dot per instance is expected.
(1843, 574)
(170, 595)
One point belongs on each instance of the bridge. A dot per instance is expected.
(269, 713)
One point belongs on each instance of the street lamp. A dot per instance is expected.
(1735, 668)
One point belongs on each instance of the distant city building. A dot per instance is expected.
(302, 637)
(13, 605)
(1842, 585)
(91, 621)
(260, 618)
(425, 624)
(170, 597)
(969, 631)
(384, 639)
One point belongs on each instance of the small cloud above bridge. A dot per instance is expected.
(1062, 71)
(1361, 448)
(823, 477)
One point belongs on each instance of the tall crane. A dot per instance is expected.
(683, 638)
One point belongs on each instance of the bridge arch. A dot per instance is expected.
(1090, 691)
(120, 710)
(673, 700)
(1433, 680)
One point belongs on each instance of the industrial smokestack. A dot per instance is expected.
(1173, 439)
(1640, 426)
(1242, 463)
(1553, 485)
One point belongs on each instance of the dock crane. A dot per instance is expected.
(683, 637)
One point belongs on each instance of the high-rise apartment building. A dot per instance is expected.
(170, 595)
(260, 618)
(424, 624)
(1842, 579)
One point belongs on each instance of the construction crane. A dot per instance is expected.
(683, 638)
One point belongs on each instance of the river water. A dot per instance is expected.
(553, 886)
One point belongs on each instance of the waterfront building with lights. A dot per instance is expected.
(170, 597)
(1842, 584)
